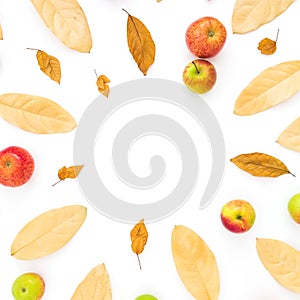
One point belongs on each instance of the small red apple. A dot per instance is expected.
(238, 216)
(200, 76)
(205, 37)
(16, 166)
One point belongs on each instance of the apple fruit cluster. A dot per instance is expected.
(204, 38)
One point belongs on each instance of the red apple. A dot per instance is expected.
(206, 37)
(200, 76)
(16, 166)
(238, 216)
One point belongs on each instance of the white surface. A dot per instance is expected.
(103, 240)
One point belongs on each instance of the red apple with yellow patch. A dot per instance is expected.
(238, 216)
(16, 166)
(206, 37)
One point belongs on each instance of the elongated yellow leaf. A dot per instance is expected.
(67, 21)
(290, 137)
(261, 164)
(49, 64)
(1, 33)
(282, 261)
(35, 114)
(96, 285)
(140, 43)
(48, 232)
(249, 15)
(271, 87)
(195, 264)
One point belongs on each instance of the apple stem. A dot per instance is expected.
(196, 67)
(56, 182)
(139, 261)
(277, 35)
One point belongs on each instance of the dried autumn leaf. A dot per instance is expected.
(271, 87)
(195, 263)
(249, 15)
(139, 237)
(67, 21)
(268, 46)
(282, 261)
(35, 114)
(290, 137)
(140, 43)
(260, 164)
(102, 84)
(70, 172)
(1, 33)
(96, 285)
(50, 65)
(48, 232)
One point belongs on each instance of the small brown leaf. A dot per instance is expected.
(139, 237)
(102, 84)
(268, 46)
(70, 172)
(140, 43)
(260, 164)
(50, 65)
(1, 33)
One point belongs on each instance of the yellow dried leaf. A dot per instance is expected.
(282, 261)
(48, 232)
(271, 87)
(96, 285)
(260, 164)
(195, 263)
(267, 46)
(50, 65)
(140, 43)
(67, 21)
(139, 237)
(35, 114)
(249, 15)
(290, 137)
(70, 172)
(102, 84)
(1, 33)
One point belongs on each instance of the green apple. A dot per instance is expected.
(28, 286)
(294, 208)
(199, 76)
(238, 216)
(146, 297)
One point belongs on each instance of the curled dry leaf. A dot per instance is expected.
(261, 164)
(249, 15)
(271, 87)
(67, 21)
(48, 232)
(140, 43)
(268, 46)
(290, 137)
(139, 237)
(96, 285)
(70, 172)
(102, 84)
(35, 114)
(282, 261)
(195, 263)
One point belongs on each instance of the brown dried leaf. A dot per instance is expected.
(48, 232)
(282, 261)
(260, 164)
(50, 65)
(70, 172)
(271, 87)
(267, 46)
(140, 43)
(139, 237)
(35, 114)
(249, 15)
(195, 263)
(102, 84)
(96, 285)
(290, 137)
(67, 21)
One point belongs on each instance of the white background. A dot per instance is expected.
(101, 239)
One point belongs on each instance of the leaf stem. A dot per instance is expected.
(56, 182)
(139, 261)
(126, 12)
(96, 73)
(34, 49)
(277, 35)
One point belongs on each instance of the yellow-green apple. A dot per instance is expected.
(238, 216)
(199, 76)
(294, 208)
(28, 286)
(205, 37)
(16, 166)
(146, 297)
